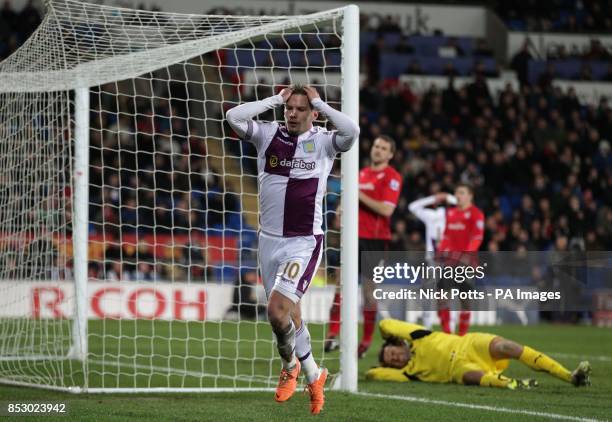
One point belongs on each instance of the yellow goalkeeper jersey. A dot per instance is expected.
(436, 356)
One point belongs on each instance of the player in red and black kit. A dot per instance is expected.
(463, 233)
(379, 189)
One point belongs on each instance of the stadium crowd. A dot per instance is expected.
(539, 159)
(556, 15)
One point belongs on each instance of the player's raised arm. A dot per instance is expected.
(381, 373)
(347, 129)
(420, 210)
(419, 205)
(240, 118)
(403, 330)
(427, 215)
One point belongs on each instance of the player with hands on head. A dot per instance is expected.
(431, 210)
(294, 160)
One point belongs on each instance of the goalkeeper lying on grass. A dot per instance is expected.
(412, 353)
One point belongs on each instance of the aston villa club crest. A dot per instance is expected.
(308, 146)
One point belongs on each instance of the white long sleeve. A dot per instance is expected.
(347, 129)
(434, 220)
(240, 117)
(431, 217)
(419, 207)
(416, 207)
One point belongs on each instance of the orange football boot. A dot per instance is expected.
(287, 383)
(317, 398)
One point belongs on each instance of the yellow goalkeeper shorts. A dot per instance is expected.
(473, 355)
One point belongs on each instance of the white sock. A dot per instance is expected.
(310, 368)
(288, 365)
(303, 350)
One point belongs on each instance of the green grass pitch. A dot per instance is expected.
(131, 349)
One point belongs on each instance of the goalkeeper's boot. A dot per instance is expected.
(581, 376)
(363, 348)
(287, 383)
(524, 384)
(331, 344)
(317, 398)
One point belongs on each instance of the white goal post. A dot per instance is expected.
(128, 207)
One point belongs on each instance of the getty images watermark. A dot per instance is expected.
(517, 281)
(444, 274)
(413, 273)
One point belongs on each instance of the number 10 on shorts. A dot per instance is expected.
(290, 271)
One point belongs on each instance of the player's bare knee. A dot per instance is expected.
(278, 313)
(369, 302)
(442, 304)
(502, 348)
(472, 377)
(368, 294)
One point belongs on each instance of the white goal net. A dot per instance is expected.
(128, 207)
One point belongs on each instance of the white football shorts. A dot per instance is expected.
(288, 264)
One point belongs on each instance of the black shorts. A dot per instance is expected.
(370, 261)
(454, 259)
(446, 284)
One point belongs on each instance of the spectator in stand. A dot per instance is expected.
(586, 73)
(373, 59)
(520, 63)
(546, 77)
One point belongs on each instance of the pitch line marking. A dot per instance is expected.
(479, 407)
(601, 358)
